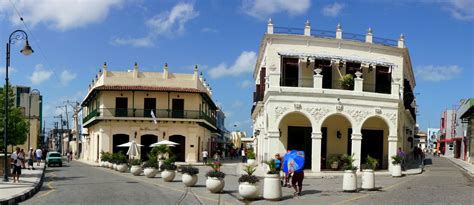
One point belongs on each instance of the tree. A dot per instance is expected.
(17, 124)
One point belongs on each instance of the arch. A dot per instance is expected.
(146, 141)
(375, 131)
(295, 130)
(118, 139)
(336, 132)
(179, 151)
(384, 119)
(345, 115)
(307, 115)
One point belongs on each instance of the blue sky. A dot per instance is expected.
(72, 39)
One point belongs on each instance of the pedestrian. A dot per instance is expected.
(31, 158)
(287, 175)
(22, 156)
(205, 154)
(401, 154)
(244, 156)
(39, 155)
(278, 162)
(16, 165)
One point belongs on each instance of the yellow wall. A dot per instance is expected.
(333, 124)
(293, 119)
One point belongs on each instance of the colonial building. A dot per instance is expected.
(300, 102)
(148, 107)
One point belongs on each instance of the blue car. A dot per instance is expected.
(54, 158)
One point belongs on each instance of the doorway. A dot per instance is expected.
(372, 144)
(146, 141)
(179, 151)
(121, 106)
(149, 106)
(299, 138)
(290, 72)
(178, 108)
(119, 139)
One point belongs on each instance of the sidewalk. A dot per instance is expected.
(466, 166)
(30, 183)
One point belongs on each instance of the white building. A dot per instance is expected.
(300, 104)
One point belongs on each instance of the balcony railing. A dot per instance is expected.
(146, 113)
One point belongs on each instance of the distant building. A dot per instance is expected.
(236, 138)
(432, 137)
(465, 129)
(148, 107)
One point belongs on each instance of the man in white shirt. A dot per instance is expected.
(39, 155)
(16, 165)
(205, 154)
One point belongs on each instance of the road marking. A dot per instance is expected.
(160, 185)
(366, 195)
(49, 186)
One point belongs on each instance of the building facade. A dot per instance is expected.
(465, 129)
(432, 136)
(446, 142)
(148, 107)
(300, 104)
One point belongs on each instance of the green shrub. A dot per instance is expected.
(135, 162)
(371, 162)
(168, 164)
(151, 163)
(347, 162)
(250, 154)
(396, 159)
(272, 167)
(187, 169)
(347, 81)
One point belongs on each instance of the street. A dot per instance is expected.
(78, 183)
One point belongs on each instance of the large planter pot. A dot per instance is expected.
(396, 170)
(349, 181)
(215, 185)
(189, 180)
(368, 179)
(334, 165)
(122, 167)
(168, 175)
(110, 165)
(136, 170)
(114, 166)
(251, 162)
(249, 191)
(272, 187)
(160, 162)
(150, 172)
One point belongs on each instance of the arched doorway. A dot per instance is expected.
(336, 139)
(375, 141)
(146, 141)
(295, 134)
(179, 151)
(118, 139)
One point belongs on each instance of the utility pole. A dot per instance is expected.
(60, 133)
(76, 107)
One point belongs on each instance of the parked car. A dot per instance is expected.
(54, 158)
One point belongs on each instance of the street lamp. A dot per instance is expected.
(14, 36)
(37, 92)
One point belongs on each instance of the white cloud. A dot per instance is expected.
(209, 30)
(461, 9)
(40, 75)
(437, 73)
(237, 104)
(10, 70)
(244, 64)
(333, 10)
(262, 9)
(66, 76)
(245, 84)
(61, 14)
(168, 23)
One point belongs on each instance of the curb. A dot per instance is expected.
(15, 199)
(465, 169)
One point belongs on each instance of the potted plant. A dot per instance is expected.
(135, 168)
(271, 182)
(251, 158)
(189, 176)
(347, 82)
(168, 170)
(333, 162)
(248, 183)
(215, 178)
(150, 168)
(349, 182)
(397, 166)
(104, 159)
(122, 165)
(160, 152)
(368, 176)
(114, 160)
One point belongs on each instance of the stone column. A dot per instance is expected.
(307, 29)
(358, 82)
(270, 27)
(339, 31)
(356, 148)
(392, 149)
(368, 36)
(316, 151)
(395, 89)
(401, 41)
(273, 142)
(318, 79)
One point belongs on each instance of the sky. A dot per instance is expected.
(72, 39)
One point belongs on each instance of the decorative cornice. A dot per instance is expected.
(317, 113)
(279, 110)
(358, 115)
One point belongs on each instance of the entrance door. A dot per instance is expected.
(372, 144)
(117, 140)
(299, 138)
(121, 106)
(324, 143)
(149, 105)
(179, 151)
(178, 108)
(146, 141)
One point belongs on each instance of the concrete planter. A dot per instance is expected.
(249, 191)
(349, 181)
(110, 165)
(215, 185)
(189, 180)
(114, 166)
(397, 170)
(272, 187)
(160, 162)
(168, 175)
(150, 172)
(251, 162)
(122, 167)
(368, 179)
(136, 170)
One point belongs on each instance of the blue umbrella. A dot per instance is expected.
(293, 161)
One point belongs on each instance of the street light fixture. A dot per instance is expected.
(37, 92)
(14, 36)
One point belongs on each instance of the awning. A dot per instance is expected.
(332, 56)
(451, 139)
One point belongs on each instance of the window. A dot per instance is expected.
(289, 73)
(121, 107)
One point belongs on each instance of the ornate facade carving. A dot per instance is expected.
(358, 115)
(297, 106)
(279, 110)
(317, 113)
(392, 117)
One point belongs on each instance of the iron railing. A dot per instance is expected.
(288, 30)
(323, 33)
(384, 41)
(353, 36)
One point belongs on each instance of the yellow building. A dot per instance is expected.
(119, 107)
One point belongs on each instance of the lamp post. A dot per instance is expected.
(14, 36)
(37, 92)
